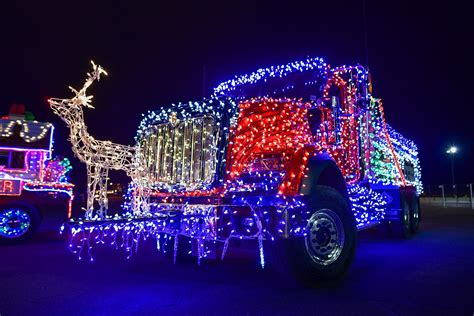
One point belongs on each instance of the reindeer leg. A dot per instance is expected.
(90, 193)
(135, 199)
(135, 190)
(103, 201)
(145, 197)
(95, 181)
(141, 197)
(106, 200)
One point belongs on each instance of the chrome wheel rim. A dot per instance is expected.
(14, 223)
(325, 238)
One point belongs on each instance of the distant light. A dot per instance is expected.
(452, 150)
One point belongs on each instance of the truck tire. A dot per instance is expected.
(18, 222)
(326, 252)
(415, 213)
(401, 228)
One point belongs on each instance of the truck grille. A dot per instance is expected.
(181, 156)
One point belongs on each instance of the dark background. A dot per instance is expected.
(155, 52)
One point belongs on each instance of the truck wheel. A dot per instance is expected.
(415, 214)
(17, 223)
(326, 252)
(401, 228)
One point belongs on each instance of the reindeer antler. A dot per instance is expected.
(97, 71)
(81, 98)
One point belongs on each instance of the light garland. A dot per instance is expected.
(390, 153)
(193, 145)
(56, 187)
(21, 218)
(235, 88)
(31, 131)
(369, 206)
(273, 130)
(56, 170)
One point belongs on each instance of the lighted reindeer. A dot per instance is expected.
(99, 156)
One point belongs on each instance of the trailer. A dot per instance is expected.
(32, 182)
(296, 157)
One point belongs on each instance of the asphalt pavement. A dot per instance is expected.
(431, 273)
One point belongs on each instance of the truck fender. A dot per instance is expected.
(322, 170)
(26, 205)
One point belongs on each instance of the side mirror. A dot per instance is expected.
(333, 104)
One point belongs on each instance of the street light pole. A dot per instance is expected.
(452, 171)
(451, 151)
(442, 192)
(471, 196)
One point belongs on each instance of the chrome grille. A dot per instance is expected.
(181, 155)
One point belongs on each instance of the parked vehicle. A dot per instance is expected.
(32, 183)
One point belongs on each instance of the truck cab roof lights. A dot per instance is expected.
(315, 64)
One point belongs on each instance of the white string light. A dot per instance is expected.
(99, 156)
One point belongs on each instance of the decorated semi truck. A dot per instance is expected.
(296, 157)
(33, 184)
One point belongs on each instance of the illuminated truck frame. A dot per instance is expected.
(296, 157)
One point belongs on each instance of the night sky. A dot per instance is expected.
(155, 54)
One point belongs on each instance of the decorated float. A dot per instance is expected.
(295, 157)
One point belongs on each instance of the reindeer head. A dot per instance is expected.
(64, 107)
